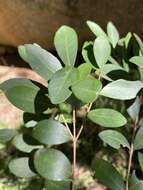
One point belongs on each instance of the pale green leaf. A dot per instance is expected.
(122, 89)
(40, 60)
(52, 164)
(96, 29)
(114, 139)
(60, 83)
(66, 43)
(102, 50)
(107, 117)
(137, 60)
(113, 34)
(87, 90)
(20, 167)
(138, 142)
(51, 132)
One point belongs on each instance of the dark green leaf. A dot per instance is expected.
(57, 185)
(41, 61)
(96, 29)
(60, 83)
(114, 139)
(107, 117)
(51, 132)
(140, 159)
(66, 44)
(122, 89)
(87, 90)
(108, 175)
(138, 142)
(135, 183)
(113, 34)
(6, 135)
(102, 51)
(20, 167)
(52, 164)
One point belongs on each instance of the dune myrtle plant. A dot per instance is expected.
(60, 110)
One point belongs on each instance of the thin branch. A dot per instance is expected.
(67, 126)
(79, 132)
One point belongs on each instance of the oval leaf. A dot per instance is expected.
(108, 175)
(6, 135)
(60, 83)
(138, 142)
(21, 93)
(113, 34)
(66, 44)
(20, 167)
(52, 164)
(102, 51)
(96, 29)
(140, 159)
(40, 60)
(122, 89)
(51, 132)
(137, 60)
(20, 143)
(114, 139)
(87, 90)
(135, 183)
(134, 109)
(107, 117)
(57, 185)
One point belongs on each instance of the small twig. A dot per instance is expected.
(74, 148)
(131, 154)
(79, 132)
(67, 126)
(89, 108)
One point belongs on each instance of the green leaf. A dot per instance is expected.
(135, 183)
(140, 42)
(84, 70)
(20, 143)
(140, 159)
(40, 60)
(60, 83)
(137, 60)
(51, 132)
(21, 93)
(96, 29)
(87, 90)
(107, 117)
(6, 135)
(138, 142)
(113, 34)
(134, 109)
(52, 164)
(114, 139)
(108, 175)
(122, 89)
(66, 43)
(57, 185)
(20, 167)
(102, 51)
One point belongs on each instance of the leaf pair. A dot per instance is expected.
(113, 34)
(46, 64)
